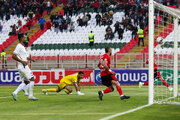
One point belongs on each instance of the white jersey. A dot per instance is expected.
(21, 53)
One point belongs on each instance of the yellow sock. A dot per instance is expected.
(67, 92)
(51, 90)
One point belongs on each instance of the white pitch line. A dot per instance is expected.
(122, 113)
(6, 97)
(38, 114)
(19, 95)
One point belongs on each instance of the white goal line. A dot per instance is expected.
(126, 112)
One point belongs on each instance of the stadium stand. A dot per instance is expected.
(48, 45)
(6, 27)
(79, 39)
(64, 43)
(39, 8)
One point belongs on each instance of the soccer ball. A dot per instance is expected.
(158, 47)
(160, 40)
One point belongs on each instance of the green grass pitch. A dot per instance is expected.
(59, 106)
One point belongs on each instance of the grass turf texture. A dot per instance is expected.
(59, 106)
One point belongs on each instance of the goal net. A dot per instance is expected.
(164, 84)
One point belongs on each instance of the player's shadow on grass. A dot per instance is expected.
(56, 94)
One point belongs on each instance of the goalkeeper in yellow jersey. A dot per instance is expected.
(65, 82)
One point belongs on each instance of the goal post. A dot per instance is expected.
(151, 50)
(163, 39)
(175, 57)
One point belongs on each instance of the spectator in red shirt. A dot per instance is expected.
(48, 25)
(80, 3)
(29, 22)
(38, 15)
(96, 5)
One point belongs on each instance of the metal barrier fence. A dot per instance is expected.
(118, 60)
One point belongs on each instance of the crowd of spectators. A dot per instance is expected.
(24, 8)
(136, 16)
(60, 23)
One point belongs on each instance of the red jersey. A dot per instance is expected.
(155, 64)
(103, 70)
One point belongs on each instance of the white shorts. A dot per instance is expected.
(25, 73)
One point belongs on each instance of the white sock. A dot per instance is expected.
(26, 88)
(31, 86)
(20, 87)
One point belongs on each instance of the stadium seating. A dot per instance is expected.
(6, 40)
(6, 27)
(76, 43)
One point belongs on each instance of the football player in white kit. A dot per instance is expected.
(26, 87)
(20, 54)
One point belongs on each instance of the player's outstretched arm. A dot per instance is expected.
(14, 56)
(78, 89)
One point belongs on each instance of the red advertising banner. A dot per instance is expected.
(48, 77)
(53, 77)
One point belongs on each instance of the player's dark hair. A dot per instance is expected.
(20, 36)
(80, 72)
(107, 49)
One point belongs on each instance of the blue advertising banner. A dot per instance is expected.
(10, 77)
(130, 76)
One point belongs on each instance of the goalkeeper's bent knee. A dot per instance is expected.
(68, 92)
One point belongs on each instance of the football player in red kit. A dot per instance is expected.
(157, 75)
(108, 76)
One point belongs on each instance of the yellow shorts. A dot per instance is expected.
(62, 85)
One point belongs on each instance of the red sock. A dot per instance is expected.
(107, 90)
(146, 83)
(119, 90)
(165, 83)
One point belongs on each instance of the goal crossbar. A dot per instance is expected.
(172, 11)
